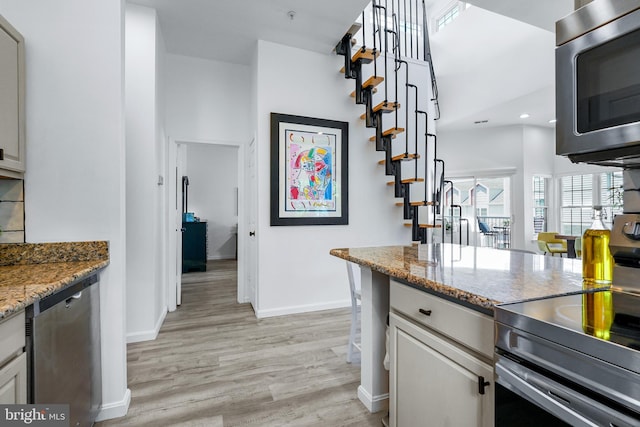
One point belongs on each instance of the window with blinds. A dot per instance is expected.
(576, 204)
(539, 204)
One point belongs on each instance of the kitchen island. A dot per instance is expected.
(475, 278)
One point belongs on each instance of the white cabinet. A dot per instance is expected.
(13, 360)
(12, 86)
(13, 381)
(441, 374)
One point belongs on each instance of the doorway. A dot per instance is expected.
(485, 208)
(214, 187)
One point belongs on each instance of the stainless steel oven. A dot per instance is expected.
(557, 365)
(574, 360)
(598, 83)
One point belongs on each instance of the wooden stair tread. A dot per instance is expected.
(390, 107)
(407, 181)
(408, 224)
(422, 203)
(373, 138)
(386, 107)
(401, 157)
(365, 55)
(392, 131)
(389, 132)
(373, 81)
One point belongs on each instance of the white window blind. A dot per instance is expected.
(539, 204)
(576, 204)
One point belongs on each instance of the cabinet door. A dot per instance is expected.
(435, 383)
(11, 99)
(13, 381)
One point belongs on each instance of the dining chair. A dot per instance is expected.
(356, 296)
(487, 232)
(547, 243)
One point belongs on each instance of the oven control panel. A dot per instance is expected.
(625, 238)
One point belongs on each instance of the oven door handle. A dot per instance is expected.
(566, 404)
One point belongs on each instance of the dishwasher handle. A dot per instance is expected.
(70, 300)
(65, 295)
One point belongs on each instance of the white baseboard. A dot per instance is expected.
(305, 308)
(148, 335)
(115, 409)
(373, 403)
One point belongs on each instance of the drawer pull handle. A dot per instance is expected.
(425, 312)
(482, 384)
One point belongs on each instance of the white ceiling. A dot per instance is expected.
(227, 30)
(489, 65)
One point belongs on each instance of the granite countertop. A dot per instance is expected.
(32, 271)
(480, 277)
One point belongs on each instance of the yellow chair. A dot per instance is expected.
(547, 243)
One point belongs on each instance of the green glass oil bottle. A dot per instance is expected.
(597, 262)
(597, 271)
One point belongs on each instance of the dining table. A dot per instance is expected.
(571, 244)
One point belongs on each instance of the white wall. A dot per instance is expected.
(538, 155)
(487, 151)
(207, 100)
(213, 186)
(146, 305)
(296, 272)
(530, 150)
(74, 185)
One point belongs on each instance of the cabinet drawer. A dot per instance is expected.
(12, 337)
(464, 325)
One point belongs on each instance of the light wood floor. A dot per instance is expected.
(214, 364)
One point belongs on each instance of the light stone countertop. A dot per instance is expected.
(29, 272)
(478, 277)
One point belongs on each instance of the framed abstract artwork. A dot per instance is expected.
(309, 172)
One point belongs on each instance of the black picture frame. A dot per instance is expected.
(309, 171)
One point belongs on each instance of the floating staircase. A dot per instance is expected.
(410, 150)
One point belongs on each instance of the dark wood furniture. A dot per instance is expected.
(194, 246)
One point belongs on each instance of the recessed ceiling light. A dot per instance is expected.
(524, 116)
(553, 120)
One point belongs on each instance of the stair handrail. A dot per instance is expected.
(428, 58)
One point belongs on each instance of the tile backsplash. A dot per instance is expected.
(12, 210)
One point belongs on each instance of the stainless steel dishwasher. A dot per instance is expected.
(63, 349)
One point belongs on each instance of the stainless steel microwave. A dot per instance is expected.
(598, 84)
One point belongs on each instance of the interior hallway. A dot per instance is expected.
(214, 364)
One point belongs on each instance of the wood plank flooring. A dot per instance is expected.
(214, 364)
